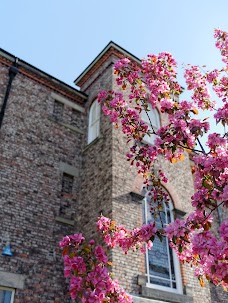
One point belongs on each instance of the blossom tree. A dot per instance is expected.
(153, 83)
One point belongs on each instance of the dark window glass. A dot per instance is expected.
(5, 296)
(67, 183)
(58, 110)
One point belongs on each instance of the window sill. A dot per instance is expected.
(68, 126)
(65, 221)
(92, 143)
(165, 296)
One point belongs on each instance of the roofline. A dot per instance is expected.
(36, 70)
(107, 47)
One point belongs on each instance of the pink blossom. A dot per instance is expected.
(100, 255)
(176, 228)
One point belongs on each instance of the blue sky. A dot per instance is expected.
(63, 37)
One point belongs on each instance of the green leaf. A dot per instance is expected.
(160, 237)
(174, 239)
(180, 249)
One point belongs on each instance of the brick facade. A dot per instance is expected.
(53, 183)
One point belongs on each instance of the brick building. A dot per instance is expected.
(61, 164)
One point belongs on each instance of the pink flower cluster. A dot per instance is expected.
(86, 266)
(201, 248)
(157, 76)
(222, 44)
(153, 83)
(197, 82)
(117, 235)
(211, 175)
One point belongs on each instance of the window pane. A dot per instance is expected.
(5, 296)
(93, 113)
(98, 109)
(160, 259)
(94, 121)
(58, 110)
(149, 139)
(92, 133)
(144, 116)
(151, 117)
(157, 281)
(154, 117)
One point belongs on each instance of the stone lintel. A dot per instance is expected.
(67, 102)
(65, 221)
(8, 279)
(68, 169)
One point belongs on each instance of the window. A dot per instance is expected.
(162, 264)
(76, 119)
(67, 183)
(94, 121)
(6, 295)
(151, 117)
(65, 210)
(58, 110)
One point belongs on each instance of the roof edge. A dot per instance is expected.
(38, 71)
(98, 57)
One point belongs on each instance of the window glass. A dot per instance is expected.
(58, 110)
(67, 183)
(151, 117)
(94, 121)
(163, 268)
(6, 295)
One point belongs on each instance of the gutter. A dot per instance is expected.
(12, 73)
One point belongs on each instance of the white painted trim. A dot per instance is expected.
(67, 102)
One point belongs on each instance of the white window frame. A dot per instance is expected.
(9, 289)
(156, 124)
(94, 125)
(177, 270)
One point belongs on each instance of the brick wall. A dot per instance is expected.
(32, 147)
(54, 183)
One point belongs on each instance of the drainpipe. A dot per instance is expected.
(12, 73)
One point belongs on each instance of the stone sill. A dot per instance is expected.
(139, 299)
(92, 143)
(65, 221)
(68, 126)
(164, 296)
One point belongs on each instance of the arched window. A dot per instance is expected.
(162, 264)
(94, 121)
(151, 117)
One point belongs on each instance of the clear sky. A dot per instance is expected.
(63, 37)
